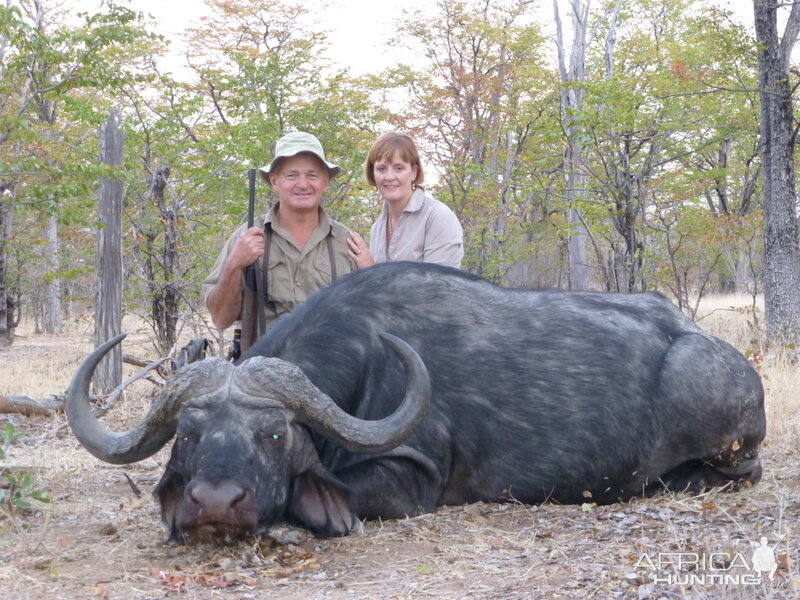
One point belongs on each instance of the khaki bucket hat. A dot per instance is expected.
(294, 143)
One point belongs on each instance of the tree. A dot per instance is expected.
(781, 249)
(261, 74)
(108, 303)
(573, 79)
(189, 144)
(11, 27)
(54, 72)
(9, 318)
(659, 97)
(481, 109)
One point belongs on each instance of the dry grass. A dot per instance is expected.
(98, 539)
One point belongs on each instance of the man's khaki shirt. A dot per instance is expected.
(294, 274)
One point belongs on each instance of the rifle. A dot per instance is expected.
(253, 320)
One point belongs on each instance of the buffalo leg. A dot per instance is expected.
(697, 476)
(716, 405)
(390, 487)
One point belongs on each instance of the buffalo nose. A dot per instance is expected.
(223, 502)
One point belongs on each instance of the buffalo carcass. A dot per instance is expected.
(503, 395)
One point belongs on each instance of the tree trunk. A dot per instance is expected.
(7, 323)
(574, 159)
(52, 287)
(165, 295)
(108, 305)
(781, 250)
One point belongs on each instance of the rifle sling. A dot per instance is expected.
(264, 293)
(329, 242)
(261, 288)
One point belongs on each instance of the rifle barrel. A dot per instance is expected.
(251, 201)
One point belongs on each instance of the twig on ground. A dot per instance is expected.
(136, 491)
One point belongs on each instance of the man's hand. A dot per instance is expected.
(248, 248)
(225, 300)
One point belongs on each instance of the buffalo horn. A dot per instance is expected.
(277, 379)
(157, 427)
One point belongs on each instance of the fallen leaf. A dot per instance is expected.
(64, 542)
(174, 578)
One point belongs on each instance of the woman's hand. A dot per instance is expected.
(358, 251)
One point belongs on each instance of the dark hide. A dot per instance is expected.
(537, 395)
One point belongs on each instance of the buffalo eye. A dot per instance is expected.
(274, 438)
(184, 438)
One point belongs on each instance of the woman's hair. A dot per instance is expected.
(386, 146)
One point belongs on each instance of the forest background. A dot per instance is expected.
(617, 150)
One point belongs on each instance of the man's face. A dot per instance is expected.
(300, 181)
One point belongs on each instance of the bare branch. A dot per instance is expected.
(114, 396)
(790, 33)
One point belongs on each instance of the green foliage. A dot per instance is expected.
(19, 488)
(21, 491)
(10, 435)
(671, 200)
(479, 113)
(57, 81)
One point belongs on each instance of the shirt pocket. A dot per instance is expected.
(322, 269)
(279, 284)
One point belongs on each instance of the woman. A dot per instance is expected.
(413, 225)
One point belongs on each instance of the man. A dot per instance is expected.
(303, 249)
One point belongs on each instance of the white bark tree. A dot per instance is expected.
(781, 248)
(573, 76)
(51, 319)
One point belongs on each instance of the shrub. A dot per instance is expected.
(19, 488)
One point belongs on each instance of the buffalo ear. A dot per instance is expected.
(321, 504)
(169, 493)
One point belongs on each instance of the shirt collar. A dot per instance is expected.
(414, 203)
(324, 227)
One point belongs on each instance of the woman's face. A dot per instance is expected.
(394, 179)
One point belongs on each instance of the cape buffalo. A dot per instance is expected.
(406, 386)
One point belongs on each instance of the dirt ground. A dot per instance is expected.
(101, 536)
